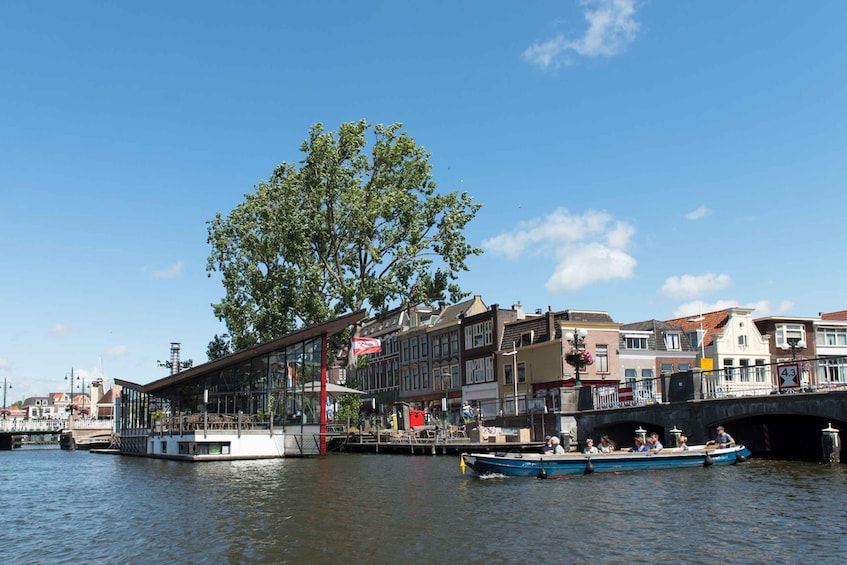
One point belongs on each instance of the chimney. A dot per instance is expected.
(519, 315)
(174, 358)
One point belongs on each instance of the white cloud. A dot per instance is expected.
(700, 212)
(587, 248)
(170, 272)
(611, 27)
(116, 351)
(60, 330)
(5, 364)
(762, 308)
(582, 265)
(689, 286)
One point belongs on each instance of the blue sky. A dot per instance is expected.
(646, 158)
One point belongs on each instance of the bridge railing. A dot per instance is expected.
(26, 426)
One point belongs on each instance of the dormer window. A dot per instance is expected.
(636, 342)
(673, 341)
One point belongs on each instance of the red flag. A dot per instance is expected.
(362, 345)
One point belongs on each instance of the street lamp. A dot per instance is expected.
(578, 357)
(793, 343)
(514, 355)
(70, 377)
(6, 385)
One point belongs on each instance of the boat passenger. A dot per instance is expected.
(548, 446)
(590, 448)
(639, 446)
(723, 439)
(653, 443)
(557, 448)
(606, 445)
(683, 443)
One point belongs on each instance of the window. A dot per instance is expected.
(436, 347)
(489, 369)
(478, 335)
(454, 342)
(667, 367)
(526, 339)
(760, 370)
(646, 374)
(784, 331)
(521, 372)
(685, 366)
(832, 370)
(832, 336)
(454, 374)
(630, 375)
(475, 371)
(745, 370)
(436, 378)
(405, 350)
(424, 346)
(445, 345)
(507, 371)
(416, 378)
(636, 342)
(602, 358)
(672, 341)
(425, 377)
(742, 340)
(489, 335)
(414, 348)
(727, 369)
(407, 384)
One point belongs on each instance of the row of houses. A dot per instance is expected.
(507, 361)
(58, 405)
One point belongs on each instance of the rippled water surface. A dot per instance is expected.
(79, 507)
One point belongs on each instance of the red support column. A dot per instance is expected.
(323, 393)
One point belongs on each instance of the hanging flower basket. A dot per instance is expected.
(579, 358)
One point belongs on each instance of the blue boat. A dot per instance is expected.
(514, 464)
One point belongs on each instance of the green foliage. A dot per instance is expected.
(218, 347)
(339, 231)
(349, 406)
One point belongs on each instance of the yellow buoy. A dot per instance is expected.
(462, 464)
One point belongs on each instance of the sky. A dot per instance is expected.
(645, 158)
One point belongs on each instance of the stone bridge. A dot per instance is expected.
(779, 425)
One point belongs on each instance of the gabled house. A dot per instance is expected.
(444, 340)
(482, 334)
(533, 372)
(650, 349)
(734, 355)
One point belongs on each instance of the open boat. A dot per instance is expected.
(514, 464)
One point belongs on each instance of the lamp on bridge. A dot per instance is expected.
(578, 357)
(6, 385)
(793, 343)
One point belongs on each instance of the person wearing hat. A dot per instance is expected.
(548, 448)
(723, 439)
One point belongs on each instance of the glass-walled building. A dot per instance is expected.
(266, 401)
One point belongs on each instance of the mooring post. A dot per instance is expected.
(831, 444)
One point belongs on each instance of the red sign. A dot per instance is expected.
(625, 394)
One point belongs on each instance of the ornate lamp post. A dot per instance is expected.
(6, 385)
(793, 343)
(578, 357)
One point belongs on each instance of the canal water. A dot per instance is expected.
(79, 507)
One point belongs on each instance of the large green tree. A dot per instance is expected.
(352, 225)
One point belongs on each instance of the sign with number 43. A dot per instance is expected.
(789, 375)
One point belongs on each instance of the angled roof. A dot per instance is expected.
(713, 323)
(452, 314)
(841, 315)
(330, 328)
(656, 328)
